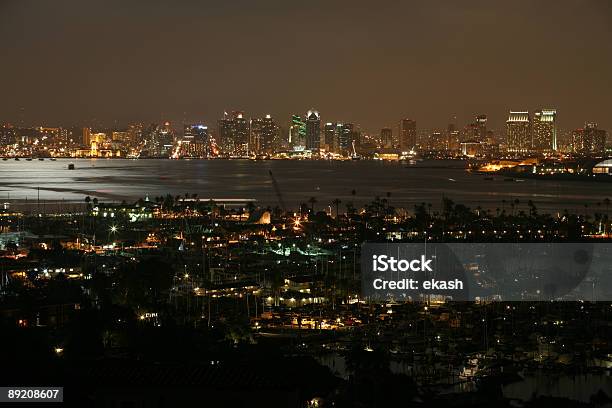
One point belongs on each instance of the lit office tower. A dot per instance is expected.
(264, 135)
(408, 134)
(544, 128)
(330, 137)
(481, 128)
(345, 136)
(8, 135)
(135, 133)
(452, 138)
(297, 133)
(195, 141)
(589, 141)
(234, 134)
(86, 136)
(160, 139)
(313, 130)
(386, 137)
(518, 132)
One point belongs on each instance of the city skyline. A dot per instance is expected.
(306, 204)
(237, 134)
(111, 64)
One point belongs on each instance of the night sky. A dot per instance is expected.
(369, 62)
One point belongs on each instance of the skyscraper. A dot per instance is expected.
(544, 128)
(264, 135)
(518, 132)
(452, 138)
(346, 133)
(386, 137)
(481, 128)
(590, 140)
(8, 135)
(86, 136)
(330, 137)
(159, 139)
(408, 134)
(195, 141)
(234, 134)
(313, 130)
(297, 133)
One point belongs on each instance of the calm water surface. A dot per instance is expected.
(428, 181)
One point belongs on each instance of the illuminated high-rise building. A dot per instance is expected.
(264, 135)
(330, 137)
(135, 133)
(386, 137)
(544, 130)
(313, 130)
(346, 134)
(160, 140)
(481, 128)
(452, 138)
(297, 133)
(120, 136)
(518, 132)
(407, 135)
(234, 134)
(86, 136)
(590, 140)
(196, 141)
(8, 135)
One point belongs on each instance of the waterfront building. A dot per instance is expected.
(544, 128)
(330, 137)
(195, 141)
(8, 135)
(297, 133)
(481, 128)
(313, 130)
(386, 138)
(233, 131)
(346, 135)
(407, 135)
(589, 140)
(518, 132)
(264, 135)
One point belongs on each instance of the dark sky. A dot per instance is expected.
(370, 62)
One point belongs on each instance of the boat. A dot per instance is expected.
(4, 159)
(489, 178)
(16, 158)
(28, 159)
(71, 166)
(53, 159)
(41, 158)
